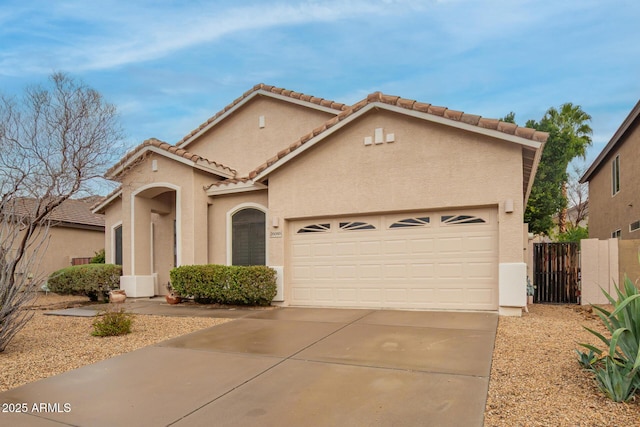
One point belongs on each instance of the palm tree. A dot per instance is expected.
(571, 134)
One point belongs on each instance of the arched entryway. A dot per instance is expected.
(248, 237)
(155, 234)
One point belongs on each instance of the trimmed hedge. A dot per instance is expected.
(225, 284)
(92, 280)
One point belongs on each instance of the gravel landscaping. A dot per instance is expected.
(535, 377)
(51, 345)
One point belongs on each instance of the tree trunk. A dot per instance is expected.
(562, 215)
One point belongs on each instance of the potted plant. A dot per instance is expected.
(531, 290)
(117, 295)
(172, 297)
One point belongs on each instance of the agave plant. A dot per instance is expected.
(618, 374)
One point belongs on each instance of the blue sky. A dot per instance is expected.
(169, 65)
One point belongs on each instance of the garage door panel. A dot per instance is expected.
(395, 271)
(370, 247)
(477, 270)
(301, 250)
(370, 271)
(421, 271)
(323, 249)
(444, 270)
(321, 294)
(483, 244)
(348, 295)
(480, 296)
(421, 265)
(396, 295)
(422, 246)
(370, 295)
(394, 247)
(346, 272)
(322, 272)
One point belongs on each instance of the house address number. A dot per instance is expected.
(276, 234)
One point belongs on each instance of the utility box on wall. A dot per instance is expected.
(512, 279)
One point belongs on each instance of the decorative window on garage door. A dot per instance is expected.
(356, 225)
(315, 228)
(411, 222)
(461, 219)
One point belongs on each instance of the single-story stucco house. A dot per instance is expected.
(75, 232)
(387, 203)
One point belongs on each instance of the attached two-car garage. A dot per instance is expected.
(418, 260)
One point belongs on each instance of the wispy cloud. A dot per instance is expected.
(123, 33)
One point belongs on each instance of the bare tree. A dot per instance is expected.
(577, 196)
(55, 141)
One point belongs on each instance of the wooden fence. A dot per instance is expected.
(556, 273)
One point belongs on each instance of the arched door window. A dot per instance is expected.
(248, 237)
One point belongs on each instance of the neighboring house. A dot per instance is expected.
(614, 192)
(75, 232)
(387, 203)
(578, 215)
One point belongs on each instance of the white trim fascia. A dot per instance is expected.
(106, 202)
(412, 113)
(112, 240)
(132, 248)
(460, 125)
(250, 97)
(240, 187)
(229, 236)
(532, 176)
(196, 165)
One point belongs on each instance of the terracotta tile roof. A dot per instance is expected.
(153, 142)
(227, 182)
(273, 89)
(409, 104)
(71, 211)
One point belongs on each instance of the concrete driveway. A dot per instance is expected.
(284, 367)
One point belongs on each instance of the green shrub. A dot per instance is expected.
(225, 284)
(111, 323)
(92, 280)
(98, 258)
(617, 367)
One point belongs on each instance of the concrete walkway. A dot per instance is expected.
(283, 367)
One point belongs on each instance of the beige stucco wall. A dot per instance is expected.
(608, 213)
(239, 142)
(219, 208)
(628, 262)
(173, 192)
(112, 218)
(66, 243)
(429, 166)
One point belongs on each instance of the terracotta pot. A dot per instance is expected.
(173, 298)
(117, 296)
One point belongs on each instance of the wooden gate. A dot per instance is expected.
(556, 273)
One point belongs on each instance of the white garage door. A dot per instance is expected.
(439, 260)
